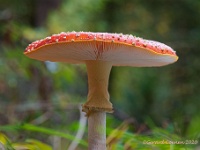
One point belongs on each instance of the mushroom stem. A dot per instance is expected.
(97, 131)
(98, 103)
(98, 97)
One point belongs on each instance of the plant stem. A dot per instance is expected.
(81, 129)
(97, 130)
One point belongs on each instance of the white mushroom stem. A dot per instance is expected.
(97, 131)
(98, 103)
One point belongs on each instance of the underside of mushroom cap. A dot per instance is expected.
(119, 49)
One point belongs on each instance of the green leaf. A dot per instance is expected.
(3, 138)
(30, 127)
(116, 135)
(41, 145)
(25, 146)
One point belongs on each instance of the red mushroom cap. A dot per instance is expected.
(121, 50)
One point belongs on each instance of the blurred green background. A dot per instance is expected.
(167, 97)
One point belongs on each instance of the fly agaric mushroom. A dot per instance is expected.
(100, 51)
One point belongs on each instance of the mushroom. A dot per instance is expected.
(100, 51)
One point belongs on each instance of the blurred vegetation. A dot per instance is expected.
(162, 103)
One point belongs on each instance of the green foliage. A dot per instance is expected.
(3, 139)
(29, 144)
(33, 128)
(77, 17)
(159, 139)
(120, 138)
